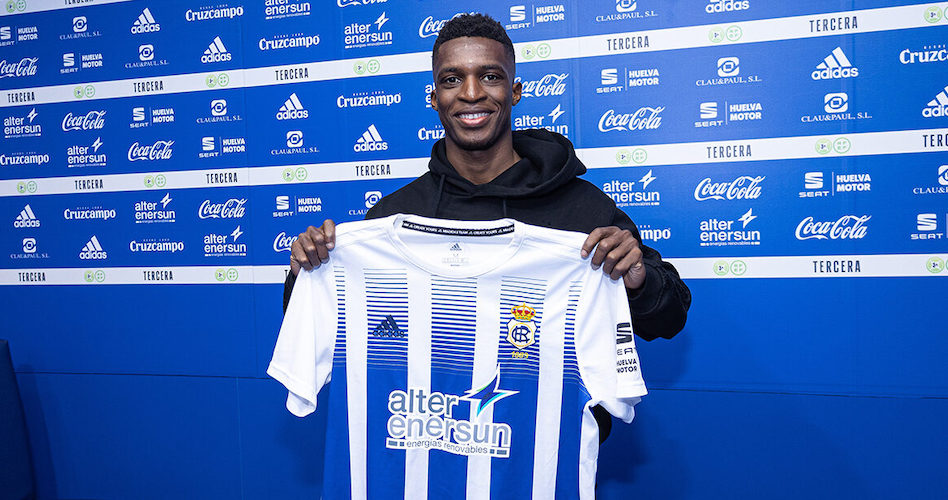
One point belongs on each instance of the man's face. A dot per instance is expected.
(474, 91)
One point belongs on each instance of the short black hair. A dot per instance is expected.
(478, 25)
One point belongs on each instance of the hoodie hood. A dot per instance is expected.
(548, 162)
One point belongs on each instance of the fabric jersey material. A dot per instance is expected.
(465, 359)
(542, 189)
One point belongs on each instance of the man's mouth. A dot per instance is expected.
(473, 119)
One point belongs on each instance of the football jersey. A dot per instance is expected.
(465, 358)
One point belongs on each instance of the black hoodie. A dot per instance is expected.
(542, 189)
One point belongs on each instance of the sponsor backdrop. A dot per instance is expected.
(791, 158)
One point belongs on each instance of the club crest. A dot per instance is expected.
(521, 329)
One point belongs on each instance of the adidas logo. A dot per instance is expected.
(26, 218)
(455, 248)
(292, 109)
(93, 250)
(370, 141)
(937, 106)
(216, 52)
(835, 65)
(388, 328)
(145, 23)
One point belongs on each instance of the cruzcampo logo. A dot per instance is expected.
(217, 80)
(16, 6)
(155, 181)
(372, 66)
(935, 265)
(94, 276)
(295, 174)
(228, 274)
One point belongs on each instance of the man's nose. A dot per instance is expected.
(472, 90)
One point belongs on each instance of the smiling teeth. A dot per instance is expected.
(472, 116)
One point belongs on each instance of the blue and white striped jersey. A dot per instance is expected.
(464, 358)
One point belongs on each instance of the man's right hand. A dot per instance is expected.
(312, 247)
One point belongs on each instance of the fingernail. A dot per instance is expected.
(584, 253)
(330, 246)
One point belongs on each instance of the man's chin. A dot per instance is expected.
(474, 143)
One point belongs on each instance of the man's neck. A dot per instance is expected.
(483, 166)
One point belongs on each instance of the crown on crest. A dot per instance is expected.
(523, 312)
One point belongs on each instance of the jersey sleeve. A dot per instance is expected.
(302, 358)
(605, 348)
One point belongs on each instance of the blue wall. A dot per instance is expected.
(812, 365)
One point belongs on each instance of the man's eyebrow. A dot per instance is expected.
(484, 67)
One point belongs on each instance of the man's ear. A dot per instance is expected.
(434, 100)
(517, 91)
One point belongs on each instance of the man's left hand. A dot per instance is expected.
(618, 252)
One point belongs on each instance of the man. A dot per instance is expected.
(482, 170)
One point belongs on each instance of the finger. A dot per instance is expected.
(617, 254)
(329, 229)
(298, 253)
(309, 243)
(631, 261)
(594, 237)
(294, 265)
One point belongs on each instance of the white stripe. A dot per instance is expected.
(419, 375)
(356, 369)
(942, 98)
(549, 396)
(799, 266)
(588, 455)
(95, 242)
(485, 365)
(219, 44)
(828, 62)
(44, 5)
(148, 17)
(765, 30)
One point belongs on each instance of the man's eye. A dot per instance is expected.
(451, 80)
(491, 77)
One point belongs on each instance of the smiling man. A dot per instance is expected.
(482, 170)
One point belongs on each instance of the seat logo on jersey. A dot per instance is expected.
(425, 420)
(521, 329)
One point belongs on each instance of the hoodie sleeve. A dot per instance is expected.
(660, 307)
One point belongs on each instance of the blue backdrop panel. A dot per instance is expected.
(125, 436)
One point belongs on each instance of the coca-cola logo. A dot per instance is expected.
(230, 209)
(160, 150)
(25, 67)
(431, 26)
(744, 187)
(847, 227)
(550, 85)
(282, 242)
(645, 118)
(93, 120)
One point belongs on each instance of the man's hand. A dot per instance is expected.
(312, 247)
(618, 252)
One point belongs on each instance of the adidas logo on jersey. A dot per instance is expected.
(292, 109)
(455, 248)
(937, 106)
(371, 140)
(216, 52)
(93, 250)
(26, 218)
(145, 23)
(835, 65)
(388, 328)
